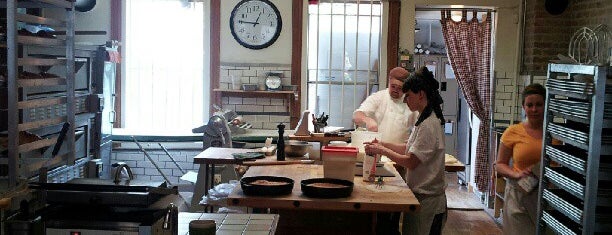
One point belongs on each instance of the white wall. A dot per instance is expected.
(279, 52)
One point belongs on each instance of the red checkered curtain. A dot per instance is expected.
(468, 45)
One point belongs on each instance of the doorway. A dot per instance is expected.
(430, 50)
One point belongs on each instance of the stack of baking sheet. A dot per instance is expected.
(562, 178)
(564, 202)
(562, 132)
(579, 88)
(570, 108)
(568, 156)
(558, 223)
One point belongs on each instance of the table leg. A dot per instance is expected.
(199, 189)
(210, 174)
(207, 180)
(211, 177)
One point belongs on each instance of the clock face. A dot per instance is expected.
(255, 24)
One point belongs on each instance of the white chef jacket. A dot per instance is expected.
(426, 181)
(394, 118)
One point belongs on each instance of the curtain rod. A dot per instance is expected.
(456, 9)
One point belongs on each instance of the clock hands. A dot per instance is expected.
(248, 22)
(257, 20)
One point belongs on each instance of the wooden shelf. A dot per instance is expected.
(250, 94)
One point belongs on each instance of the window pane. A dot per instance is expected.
(340, 106)
(343, 52)
(163, 71)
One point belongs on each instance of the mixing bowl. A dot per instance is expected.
(296, 148)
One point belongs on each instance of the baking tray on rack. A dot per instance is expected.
(566, 179)
(559, 223)
(582, 88)
(563, 132)
(577, 109)
(568, 156)
(564, 202)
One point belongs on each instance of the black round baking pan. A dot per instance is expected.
(266, 185)
(326, 188)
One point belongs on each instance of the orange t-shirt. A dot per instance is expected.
(526, 150)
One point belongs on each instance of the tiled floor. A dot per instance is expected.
(232, 224)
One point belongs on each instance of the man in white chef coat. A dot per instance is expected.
(385, 111)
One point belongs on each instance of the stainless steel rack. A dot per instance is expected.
(575, 194)
(56, 95)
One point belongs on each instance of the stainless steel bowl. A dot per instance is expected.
(296, 148)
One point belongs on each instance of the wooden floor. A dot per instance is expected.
(466, 214)
(470, 222)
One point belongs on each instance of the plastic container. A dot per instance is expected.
(339, 162)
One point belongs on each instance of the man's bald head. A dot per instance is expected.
(399, 73)
(397, 76)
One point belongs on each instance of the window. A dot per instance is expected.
(343, 56)
(164, 66)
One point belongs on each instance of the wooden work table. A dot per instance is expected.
(355, 214)
(451, 164)
(367, 199)
(362, 198)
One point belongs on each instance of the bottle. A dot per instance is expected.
(280, 144)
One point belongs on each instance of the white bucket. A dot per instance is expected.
(359, 137)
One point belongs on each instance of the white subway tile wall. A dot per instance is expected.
(143, 169)
(504, 89)
(261, 112)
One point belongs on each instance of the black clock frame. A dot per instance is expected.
(262, 46)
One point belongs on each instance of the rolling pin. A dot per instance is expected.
(261, 163)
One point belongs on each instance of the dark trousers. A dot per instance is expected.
(387, 223)
(436, 224)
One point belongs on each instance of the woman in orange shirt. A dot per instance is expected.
(523, 144)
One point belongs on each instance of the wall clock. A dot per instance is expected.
(255, 24)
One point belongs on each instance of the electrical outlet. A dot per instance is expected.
(217, 179)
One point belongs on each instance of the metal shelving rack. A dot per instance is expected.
(575, 194)
(25, 160)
